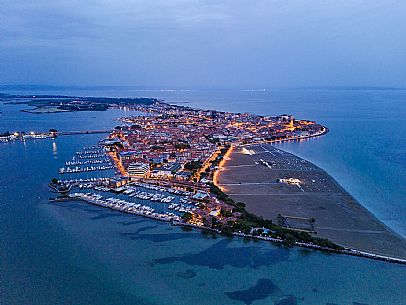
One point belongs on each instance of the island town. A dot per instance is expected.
(164, 164)
(192, 168)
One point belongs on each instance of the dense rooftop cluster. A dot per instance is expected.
(178, 141)
(232, 127)
(183, 147)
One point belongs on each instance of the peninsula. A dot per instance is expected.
(217, 171)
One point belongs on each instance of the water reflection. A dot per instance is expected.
(55, 150)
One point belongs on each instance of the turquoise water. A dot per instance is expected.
(72, 253)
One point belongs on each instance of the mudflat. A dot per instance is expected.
(252, 174)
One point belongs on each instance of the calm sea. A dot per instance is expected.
(73, 253)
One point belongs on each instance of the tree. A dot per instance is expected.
(227, 230)
(192, 165)
(54, 181)
(187, 216)
(225, 213)
(289, 240)
(240, 204)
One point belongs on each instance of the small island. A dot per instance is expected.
(61, 103)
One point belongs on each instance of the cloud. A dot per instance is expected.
(196, 42)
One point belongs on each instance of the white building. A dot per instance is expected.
(138, 169)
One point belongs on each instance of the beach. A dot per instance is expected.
(318, 203)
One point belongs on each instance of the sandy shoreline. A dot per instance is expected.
(338, 216)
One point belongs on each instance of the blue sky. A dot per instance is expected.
(180, 43)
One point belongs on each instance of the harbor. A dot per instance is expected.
(124, 206)
(90, 162)
(163, 200)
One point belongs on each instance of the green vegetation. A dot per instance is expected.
(187, 216)
(220, 157)
(193, 165)
(225, 213)
(224, 150)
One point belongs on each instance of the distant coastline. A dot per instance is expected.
(62, 103)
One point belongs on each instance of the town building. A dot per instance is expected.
(138, 169)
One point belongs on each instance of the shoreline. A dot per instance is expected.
(332, 178)
(227, 179)
(347, 251)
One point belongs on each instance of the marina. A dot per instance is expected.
(143, 199)
(124, 206)
(76, 162)
(77, 169)
(158, 198)
(137, 198)
(90, 160)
